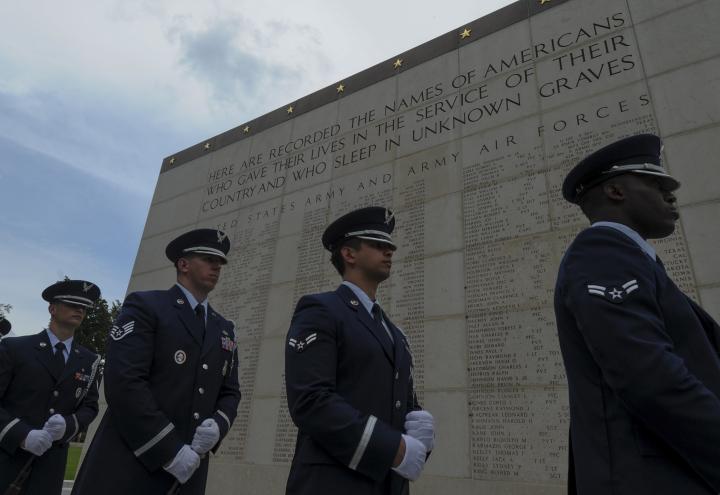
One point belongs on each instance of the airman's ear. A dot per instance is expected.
(614, 190)
(182, 265)
(348, 255)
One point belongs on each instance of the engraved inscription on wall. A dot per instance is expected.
(469, 150)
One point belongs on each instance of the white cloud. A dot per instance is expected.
(110, 87)
(137, 52)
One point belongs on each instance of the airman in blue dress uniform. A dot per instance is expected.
(171, 381)
(348, 371)
(48, 393)
(641, 357)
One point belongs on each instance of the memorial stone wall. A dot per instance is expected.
(467, 138)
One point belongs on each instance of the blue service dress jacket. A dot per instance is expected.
(348, 389)
(30, 392)
(643, 373)
(163, 377)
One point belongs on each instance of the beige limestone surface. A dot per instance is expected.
(470, 150)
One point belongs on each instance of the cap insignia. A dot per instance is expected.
(221, 236)
(87, 287)
(388, 216)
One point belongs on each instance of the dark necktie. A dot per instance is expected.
(377, 316)
(200, 312)
(59, 359)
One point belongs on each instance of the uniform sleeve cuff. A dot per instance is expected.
(376, 449)
(72, 428)
(13, 434)
(160, 449)
(224, 425)
(223, 422)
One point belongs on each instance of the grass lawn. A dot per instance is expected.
(72, 460)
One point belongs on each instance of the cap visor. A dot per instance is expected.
(378, 239)
(74, 303)
(671, 182)
(205, 250)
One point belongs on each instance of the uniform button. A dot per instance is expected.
(397, 405)
(52, 411)
(201, 390)
(205, 366)
(196, 416)
(397, 374)
(55, 393)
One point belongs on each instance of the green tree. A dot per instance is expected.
(115, 309)
(4, 310)
(93, 331)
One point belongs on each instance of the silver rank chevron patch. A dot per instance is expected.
(118, 333)
(300, 344)
(615, 294)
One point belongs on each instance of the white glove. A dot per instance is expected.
(421, 425)
(414, 460)
(37, 442)
(55, 425)
(184, 465)
(206, 436)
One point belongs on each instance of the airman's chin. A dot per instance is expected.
(663, 231)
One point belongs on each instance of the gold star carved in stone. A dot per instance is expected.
(398, 63)
(341, 88)
(207, 146)
(290, 109)
(465, 33)
(246, 129)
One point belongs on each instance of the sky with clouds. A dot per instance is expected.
(93, 95)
